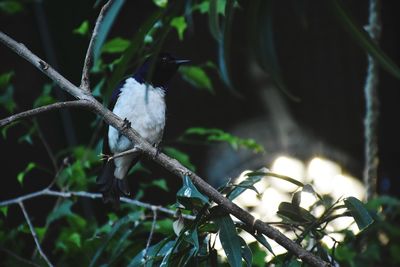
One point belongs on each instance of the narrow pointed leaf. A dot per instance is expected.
(363, 38)
(359, 212)
(105, 27)
(230, 240)
(247, 255)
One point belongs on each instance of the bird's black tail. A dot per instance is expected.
(112, 188)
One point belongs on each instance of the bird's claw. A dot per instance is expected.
(126, 124)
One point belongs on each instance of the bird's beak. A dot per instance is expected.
(181, 61)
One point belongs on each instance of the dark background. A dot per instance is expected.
(320, 63)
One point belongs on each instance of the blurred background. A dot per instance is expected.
(316, 130)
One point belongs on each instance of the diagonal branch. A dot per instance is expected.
(85, 82)
(34, 235)
(36, 111)
(170, 164)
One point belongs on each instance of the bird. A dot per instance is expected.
(140, 101)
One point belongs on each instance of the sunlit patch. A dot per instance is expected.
(346, 186)
(288, 166)
(322, 172)
(307, 200)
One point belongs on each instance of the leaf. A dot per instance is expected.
(279, 176)
(160, 183)
(45, 98)
(230, 240)
(189, 196)
(295, 213)
(11, 7)
(75, 238)
(115, 228)
(247, 255)
(40, 231)
(218, 135)
(363, 39)
(179, 23)
(62, 211)
(247, 183)
(197, 77)
(116, 45)
(179, 156)
(213, 20)
(161, 3)
(263, 241)
(105, 27)
(359, 212)
(83, 29)
(28, 168)
(4, 210)
(5, 78)
(7, 99)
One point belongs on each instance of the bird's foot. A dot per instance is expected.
(158, 150)
(126, 124)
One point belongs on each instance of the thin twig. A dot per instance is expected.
(69, 194)
(33, 232)
(153, 226)
(134, 150)
(39, 110)
(85, 82)
(46, 146)
(17, 257)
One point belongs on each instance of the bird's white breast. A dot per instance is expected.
(144, 106)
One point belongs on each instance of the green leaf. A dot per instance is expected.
(263, 241)
(115, 228)
(363, 39)
(7, 99)
(213, 20)
(161, 3)
(45, 98)
(5, 78)
(40, 231)
(160, 183)
(4, 210)
(75, 238)
(83, 29)
(218, 135)
(189, 196)
(179, 156)
(105, 27)
(28, 168)
(197, 77)
(116, 45)
(295, 213)
(11, 7)
(179, 23)
(230, 240)
(279, 176)
(245, 184)
(359, 212)
(247, 255)
(62, 211)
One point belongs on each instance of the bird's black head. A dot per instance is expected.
(158, 71)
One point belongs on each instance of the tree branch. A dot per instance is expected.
(153, 226)
(170, 164)
(36, 111)
(85, 82)
(34, 235)
(69, 194)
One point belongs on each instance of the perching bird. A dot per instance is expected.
(140, 101)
